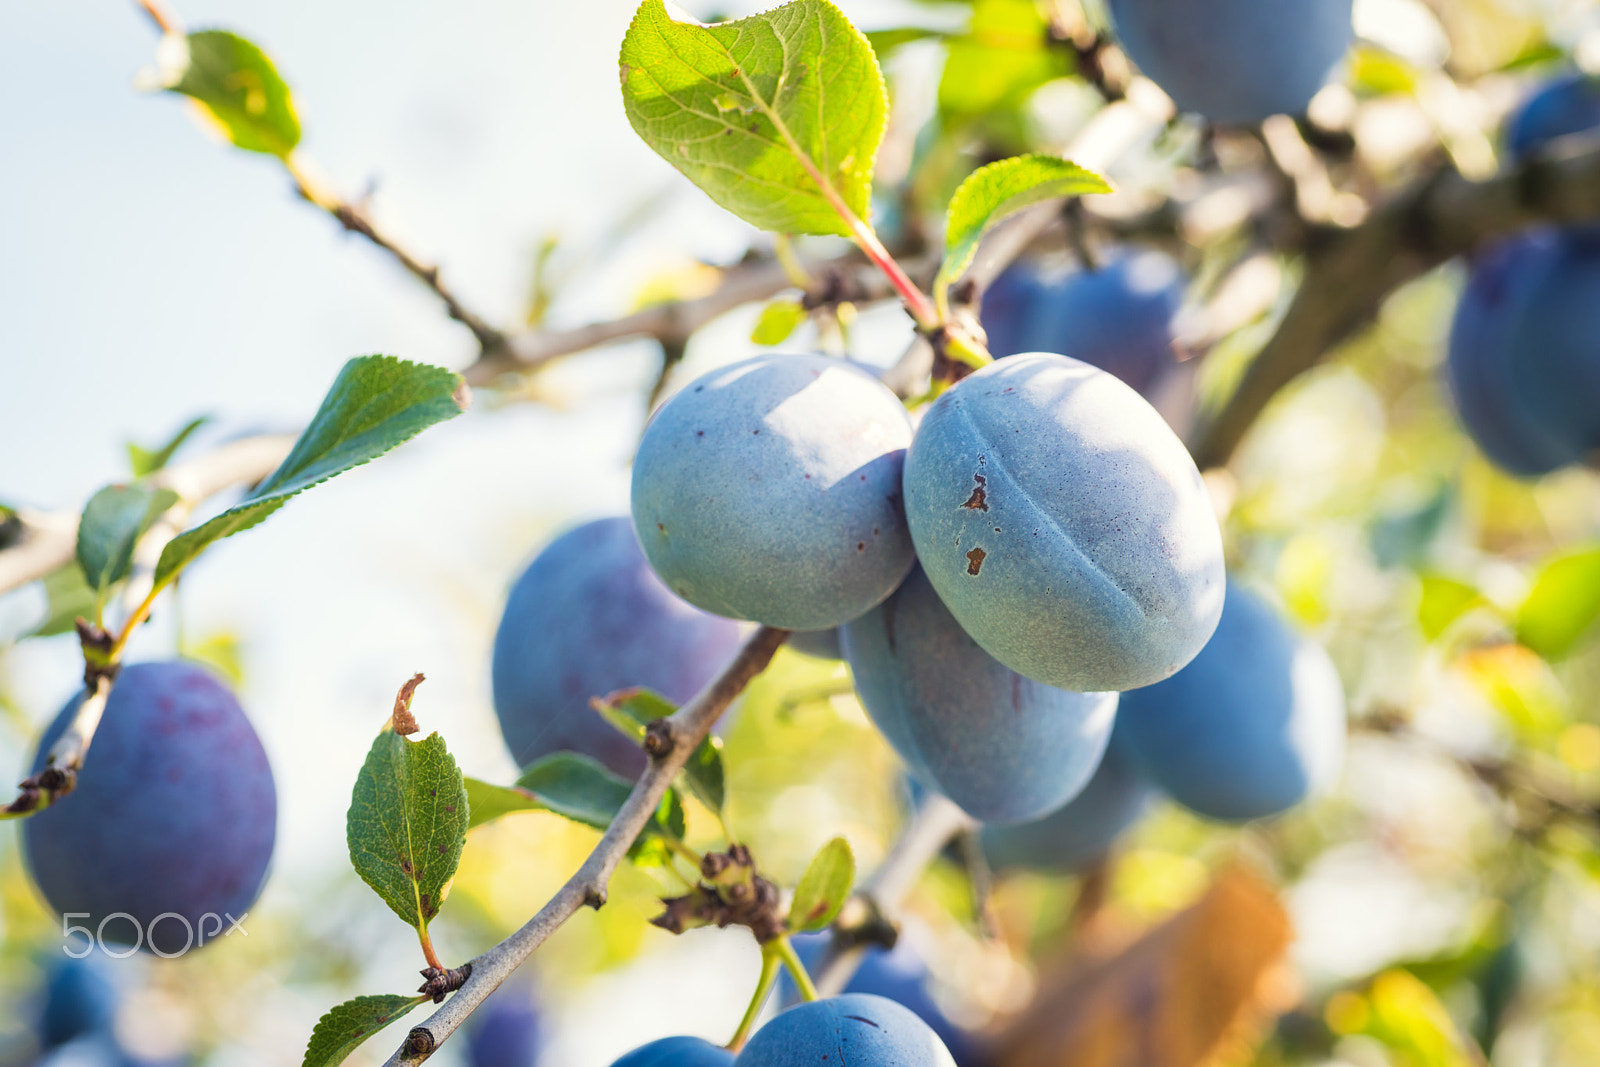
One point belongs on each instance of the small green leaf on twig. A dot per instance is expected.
(113, 521)
(408, 820)
(993, 192)
(488, 801)
(824, 887)
(777, 116)
(146, 461)
(345, 1027)
(236, 85)
(778, 320)
(376, 403)
(631, 710)
(68, 598)
(576, 787)
(1563, 604)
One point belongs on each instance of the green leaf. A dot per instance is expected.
(1563, 604)
(993, 192)
(344, 1028)
(778, 320)
(1444, 600)
(376, 403)
(885, 41)
(1004, 55)
(576, 787)
(68, 597)
(113, 521)
(488, 801)
(824, 887)
(237, 86)
(145, 462)
(777, 116)
(631, 710)
(408, 820)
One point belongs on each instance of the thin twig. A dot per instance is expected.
(48, 540)
(1348, 273)
(686, 729)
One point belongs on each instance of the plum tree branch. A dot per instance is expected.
(48, 540)
(587, 886)
(1348, 273)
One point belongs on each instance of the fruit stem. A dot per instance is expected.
(771, 962)
(797, 970)
(140, 613)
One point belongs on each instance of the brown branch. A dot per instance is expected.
(354, 218)
(685, 730)
(1348, 273)
(48, 540)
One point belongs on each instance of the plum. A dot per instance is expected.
(1568, 104)
(818, 644)
(1118, 317)
(769, 490)
(1064, 525)
(853, 1030)
(1522, 366)
(1249, 729)
(1004, 748)
(174, 812)
(80, 999)
(1071, 838)
(1235, 61)
(505, 1030)
(589, 617)
(677, 1052)
(900, 975)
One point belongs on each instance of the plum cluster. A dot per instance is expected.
(1523, 364)
(165, 841)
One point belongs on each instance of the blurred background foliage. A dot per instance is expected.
(1445, 898)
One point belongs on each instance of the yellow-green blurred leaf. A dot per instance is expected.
(1443, 601)
(778, 320)
(1563, 605)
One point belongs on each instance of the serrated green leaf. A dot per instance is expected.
(631, 710)
(146, 461)
(68, 598)
(1444, 600)
(342, 1030)
(1563, 605)
(236, 84)
(576, 787)
(113, 521)
(407, 822)
(992, 192)
(778, 320)
(376, 403)
(824, 887)
(488, 801)
(777, 116)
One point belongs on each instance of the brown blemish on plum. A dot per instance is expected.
(861, 546)
(975, 560)
(980, 495)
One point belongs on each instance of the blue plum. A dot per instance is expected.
(1064, 525)
(175, 812)
(1249, 729)
(505, 1031)
(1523, 367)
(1071, 838)
(818, 644)
(1569, 104)
(677, 1052)
(853, 1030)
(901, 976)
(589, 617)
(1002, 747)
(1118, 317)
(770, 490)
(1235, 61)
(79, 999)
